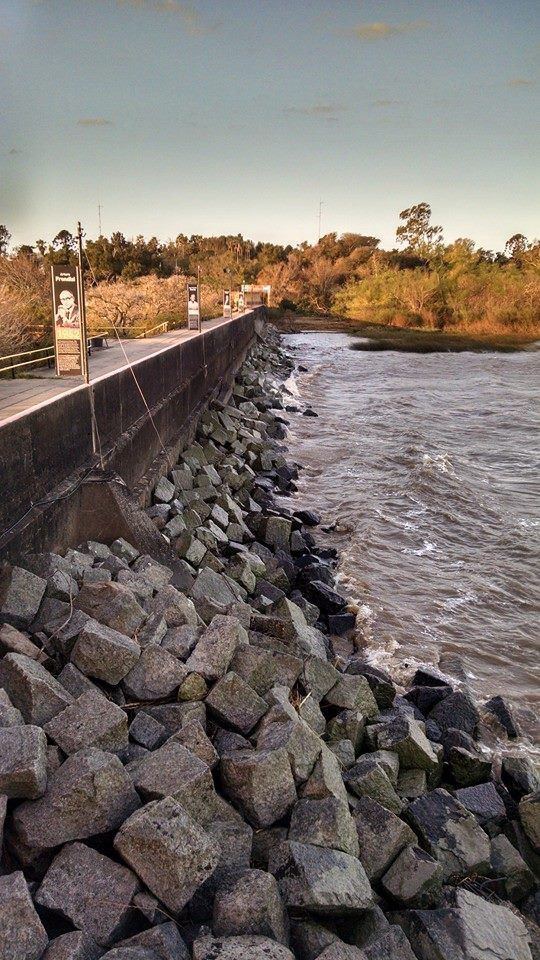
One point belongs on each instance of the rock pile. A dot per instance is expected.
(197, 764)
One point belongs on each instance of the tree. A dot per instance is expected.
(62, 247)
(5, 237)
(416, 231)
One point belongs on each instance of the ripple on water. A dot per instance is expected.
(429, 465)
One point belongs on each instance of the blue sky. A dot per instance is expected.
(239, 115)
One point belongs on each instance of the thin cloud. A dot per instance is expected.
(316, 111)
(520, 82)
(94, 122)
(382, 30)
(190, 17)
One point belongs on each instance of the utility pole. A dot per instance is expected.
(320, 216)
(82, 306)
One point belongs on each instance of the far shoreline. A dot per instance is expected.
(403, 339)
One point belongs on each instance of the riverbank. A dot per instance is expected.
(383, 337)
(207, 742)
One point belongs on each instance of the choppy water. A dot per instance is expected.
(429, 463)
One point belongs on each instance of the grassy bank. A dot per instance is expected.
(407, 339)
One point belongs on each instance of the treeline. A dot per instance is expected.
(422, 282)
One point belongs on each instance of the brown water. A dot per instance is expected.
(429, 465)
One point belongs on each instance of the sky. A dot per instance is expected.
(240, 116)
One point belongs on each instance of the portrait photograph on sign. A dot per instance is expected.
(227, 310)
(194, 313)
(66, 294)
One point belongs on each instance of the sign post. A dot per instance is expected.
(68, 321)
(227, 303)
(193, 307)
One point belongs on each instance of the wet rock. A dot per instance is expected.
(217, 647)
(486, 804)
(324, 822)
(414, 879)
(468, 768)
(21, 593)
(23, 762)
(113, 605)
(233, 702)
(251, 905)
(172, 771)
(457, 711)
(104, 653)
(381, 836)
(239, 948)
(22, 935)
(168, 850)
(450, 833)
(32, 689)
(90, 793)
(529, 814)
(260, 783)
(473, 930)
(516, 880)
(405, 737)
(498, 707)
(327, 600)
(156, 675)
(91, 721)
(368, 779)
(425, 677)
(426, 698)
(91, 891)
(380, 682)
(519, 775)
(319, 880)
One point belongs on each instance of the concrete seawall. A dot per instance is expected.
(46, 453)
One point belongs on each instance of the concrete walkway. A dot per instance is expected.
(19, 396)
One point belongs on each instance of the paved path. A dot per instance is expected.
(21, 395)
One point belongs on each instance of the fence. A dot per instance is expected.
(45, 355)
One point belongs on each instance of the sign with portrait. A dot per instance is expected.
(193, 307)
(241, 301)
(67, 320)
(227, 303)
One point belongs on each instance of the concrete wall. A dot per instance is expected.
(43, 453)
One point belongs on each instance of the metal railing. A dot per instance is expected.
(46, 356)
